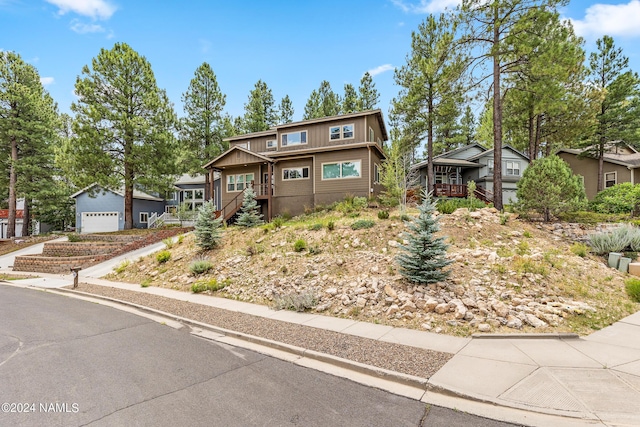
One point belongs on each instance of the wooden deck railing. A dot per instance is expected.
(460, 190)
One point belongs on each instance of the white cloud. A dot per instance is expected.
(82, 28)
(611, 19)
(425, 6)
(381, 69)
(46, 80)
(96, 9)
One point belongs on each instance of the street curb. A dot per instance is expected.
(374, 371)
(542, 336)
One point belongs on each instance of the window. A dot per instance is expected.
(295, 173)
(440, 177)
(171, 209)
(246, 145)
(195, 194)
(294, 138)
(610, 179)
(513, 168)
(271, 144)
(376, 173)
(238, 182)
(350, 169)
(341, 132)
(372, 135)
(144, 217)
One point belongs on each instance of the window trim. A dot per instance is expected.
(513, 169)
(301, 173)
(372, 135)
(140, 214)
(306, 138)
(274, 146)
(376, 173)
(340, 163)
(615, 178)
(235, 182)
(342, 132)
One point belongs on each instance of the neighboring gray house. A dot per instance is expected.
(192, 190)
(455, 168)
(100, 210)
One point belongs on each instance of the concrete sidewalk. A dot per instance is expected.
(528, 379)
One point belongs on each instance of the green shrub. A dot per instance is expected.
(351, 204)
(209, 285)
(74, 237)
(168, 242)
(315, 250)
(585, 217)
(207, 227)
(632, 286)
(580, 249)
(331, 226)
(621, 198)
(523, 248)
(277, 222)
(145, 283)
(405, 217)
(504, 218)
(383, 214)
(527, 234)
(163, 256)
(300, 245)
(448, 206)
(296, 301)
(613, 241)
(180, 239)
(362, 223)
(122, 266)
(315, 227)
(200, 266)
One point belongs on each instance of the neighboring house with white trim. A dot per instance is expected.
(621, 163)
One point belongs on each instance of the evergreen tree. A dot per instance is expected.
(618, 109)
(350, 99)
(562, 190)
(201, 130)
(323, 102)
(423, 258)
(468, 126)
(124, 127)
(249, 213)
(286, 110)
(368, 95)
(260, 111)
(208, 228)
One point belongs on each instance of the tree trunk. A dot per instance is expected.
(430, 174)
(128, 186)
(532, 141)
(11, 222)
(601, 169)
(26, 218)
(497, 120)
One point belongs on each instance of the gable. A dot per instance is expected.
(463, 153)
(236, 156)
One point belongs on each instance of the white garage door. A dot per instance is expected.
(96, 222)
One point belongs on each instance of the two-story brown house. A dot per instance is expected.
(304, 164)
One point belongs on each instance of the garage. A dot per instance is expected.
(98, 222)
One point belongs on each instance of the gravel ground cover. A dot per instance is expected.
(395, 357)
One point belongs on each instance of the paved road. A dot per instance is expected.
(70, 362)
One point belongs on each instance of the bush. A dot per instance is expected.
(74, 237)
(562, 190)
(145, 283)
(163, 256)
(122, 266)
(362, 223)
(277, 222)
(352, 204)
(331, 226)
(296, 301)
(315, 227)
(449, 206)
(580, 249)
(613, 241)
(632, 286)
(383, 214)
(300, 245)
(168, 242)
(621, 198)
(200, 266)
(209, 285)
(586, 217)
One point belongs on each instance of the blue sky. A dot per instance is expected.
(291, 45)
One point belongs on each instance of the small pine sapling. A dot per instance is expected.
(249, 215)
(208, 228)
(423, 258)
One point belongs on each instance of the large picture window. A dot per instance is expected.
(349, 169)
(294, 138)
(341, 132)
(295, 173)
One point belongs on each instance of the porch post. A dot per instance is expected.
(269, 190)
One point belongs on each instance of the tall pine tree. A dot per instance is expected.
(260, 110)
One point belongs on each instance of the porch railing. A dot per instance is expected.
(460, 190)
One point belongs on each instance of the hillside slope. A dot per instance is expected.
(508, 276)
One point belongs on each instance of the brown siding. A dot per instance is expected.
(258, 145)
(296, 187)
(235, 158)
(292, 205)
(375, 159)
(372, 122)
(318, 134)
(588, 168)
(340, 187)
